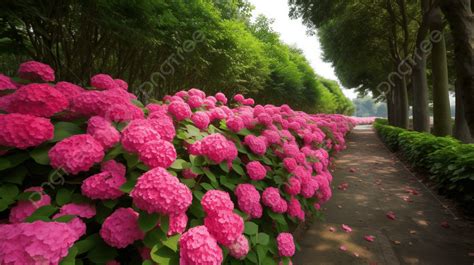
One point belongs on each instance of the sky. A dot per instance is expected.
(293, 32)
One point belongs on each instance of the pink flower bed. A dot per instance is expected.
(191, 179)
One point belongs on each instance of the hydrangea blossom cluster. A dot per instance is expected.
(244, 156)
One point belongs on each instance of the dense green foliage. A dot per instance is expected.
(367, 107)
(162, 46)
(449, 162)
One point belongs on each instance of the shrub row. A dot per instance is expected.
(92, 176)
(449, 162)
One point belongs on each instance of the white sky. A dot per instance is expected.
(293, 32)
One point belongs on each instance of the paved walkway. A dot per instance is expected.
(377, 182)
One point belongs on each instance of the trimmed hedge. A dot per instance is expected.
(449, 162)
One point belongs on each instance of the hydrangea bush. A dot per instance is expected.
(89, 175)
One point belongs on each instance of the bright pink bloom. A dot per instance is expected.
(293, 187)
(197, 246)
(346, 228)
(235, 124)
(295, 210)
(248, 199)
(200, 120)
(103, 82)
(180, 110)
(34, 243)
(195, 102)
(36, 71)
(38, 100)
(137, 133)
(83, 210)
(103, 131)
(256, 170)
(369, 238)
(309, 185)
(23, 209)
(157, 191)
(239, 98)
(23, 131)
(163, 125)
(196, 92)
(157, 153)
(248, 101)
(221, 97)
(69, 90)
(240, 248)
(121, 83)
(256, 144)
(7, 83)
(271, 136)
(265, 119)
(290, 164)
(225, 226)
(121, 229)
(216, 200)
(103, 186)
(177, 224)
(286, 245)
(271, 198)
(216, 147)
(76, 153)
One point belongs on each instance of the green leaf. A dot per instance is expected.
(70, 259)
(244, 132)
(147, 221)
(102, 253)
(40, 155)
(180, 164)
(165, 224)
(197, 170)
(64, 218)
(64, 130)
(207, 186)
(41, 213)
(224, 167)
(117, 150)
(237, 168)
(192, 130)
(137, 103)
(211, 177)
(13, 160)
(15, 175)
(251, 228)
(164, 256)
(263, 239)
(261, 253)
(63, 196)
(154, 237)
(132, 160)
(172, 242)
(8, 194)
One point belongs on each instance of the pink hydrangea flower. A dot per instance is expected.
(200, 120)
(265, 119)
(163, 125)
(34, 243)
(235, 124)
(195, 102)
(256, 170)
(293, 187)
(216, 200)
(309, 185)
(36, 71)
(221, 98)
(38, 100)
(103, 81)
(177, 224)
(239, 98)
(290, 164)
(216, 147)
(7, 83)
(120, 229)
(256, 144)
(248, 199)
(272, 136)
(196, 92)
(23, 209)
(240, 248)
(197, 246)
(103, 186)
(189, 174)
(295, 210)
(157, 191)
(157, 153)
(225, 226)
(83, 210)
(180, 110)
(23, 131)
(286, 245)
(271, 198)
(248, 101)
(121, 83)
(103, 131)
(76, 154)
(69, 90)
(137, 133)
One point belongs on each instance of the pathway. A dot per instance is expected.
(378, 184)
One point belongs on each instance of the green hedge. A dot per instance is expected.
(449, 162)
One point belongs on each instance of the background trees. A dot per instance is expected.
(397, 51)
(162, 46)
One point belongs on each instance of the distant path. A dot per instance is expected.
(379, 184)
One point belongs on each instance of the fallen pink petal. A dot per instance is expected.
(343, 248)
(391, 215)
(346, 228)
(369, 238)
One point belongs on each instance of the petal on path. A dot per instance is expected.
(369, 238)
(391, 215)
(346, 228)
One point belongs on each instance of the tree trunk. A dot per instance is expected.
(441, 109)
(390, 115)
(421, 114)
(459, 15)
(403, 104)
(461, 130)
